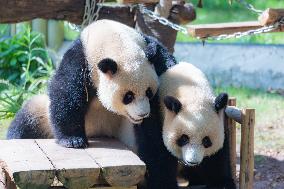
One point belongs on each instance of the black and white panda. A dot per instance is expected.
(192, 124)
(110, 72)
(105, 84)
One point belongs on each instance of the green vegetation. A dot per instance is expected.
(221, 11)
(24, 70)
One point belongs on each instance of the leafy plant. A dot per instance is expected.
(25, 68)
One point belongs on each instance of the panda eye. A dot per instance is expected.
(183, 140)
(149, 93)
(206, 142)
(128, 97)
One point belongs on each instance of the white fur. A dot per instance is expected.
(110, 39)
(197, 117)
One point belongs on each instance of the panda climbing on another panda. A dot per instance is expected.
(105, 85)
(192, 125)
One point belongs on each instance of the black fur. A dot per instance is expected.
(161, 165)
(68, 98)
(172, 104)
(221, 101)
(25, 126)
(108, 65)
(158, 55)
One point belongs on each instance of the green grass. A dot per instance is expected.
(221, 11)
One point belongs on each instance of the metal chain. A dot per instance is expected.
(161, 20)
(249, 6)
(91, 14)
(264, 29)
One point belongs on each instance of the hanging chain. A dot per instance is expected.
(249, 6)
(264, 29)
(161, 20)
(91, 14)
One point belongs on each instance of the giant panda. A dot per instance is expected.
(106, 85)
(192, 125)
(111, 71)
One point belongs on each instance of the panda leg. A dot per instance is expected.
(68, 98)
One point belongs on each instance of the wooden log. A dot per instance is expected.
(234, 113)
(247, 147)
(26, 164)
(75, 168)
(12, 11)
(208, 30)
(232, 141)
(270, 16)
(120, 167)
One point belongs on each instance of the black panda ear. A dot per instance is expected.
(108, 66)
(172, 104)
(221, 101)
(158, 55)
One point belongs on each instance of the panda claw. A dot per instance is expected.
(73, 142)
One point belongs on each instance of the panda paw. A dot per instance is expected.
(73, 142)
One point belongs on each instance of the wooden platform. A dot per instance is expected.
(37, 163)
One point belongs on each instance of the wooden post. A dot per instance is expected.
(247, 147)
(40, 25)
(55, 34)
(232, 140)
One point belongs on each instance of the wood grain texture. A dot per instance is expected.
(26, 164)
(270, 16)
(120, 167)
(12, 11)
(207, 30)
(247, 149)
(232, 140)
(75, 168)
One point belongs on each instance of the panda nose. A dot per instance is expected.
(143, 115)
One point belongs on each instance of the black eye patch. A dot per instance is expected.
(149, 93)
(183, 140)
(206, 141)
(128, 97)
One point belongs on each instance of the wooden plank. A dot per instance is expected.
(26, 164)
(208, 30)
(75, 168)
(234, 113)
(120, 167)
(232, 141)
(106, 187)
(270, 16)
(247, 147)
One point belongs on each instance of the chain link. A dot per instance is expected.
(264, 29)
(161, 20)
(249, 6)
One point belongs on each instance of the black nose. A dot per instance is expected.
(143, 115)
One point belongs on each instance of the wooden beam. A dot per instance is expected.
(247, 149)
(137, 1)
(270, 16)
(208, 30)
(234, 113)
(12, 11)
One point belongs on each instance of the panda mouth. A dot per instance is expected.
(189, 164)
(135, 121)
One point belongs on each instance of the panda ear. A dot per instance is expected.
(172, 104)
(108, 66)
(158, 55)
(221, 101)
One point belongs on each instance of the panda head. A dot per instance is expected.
(124, 77)
(191, 136)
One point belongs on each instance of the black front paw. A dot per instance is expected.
(73, 142)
